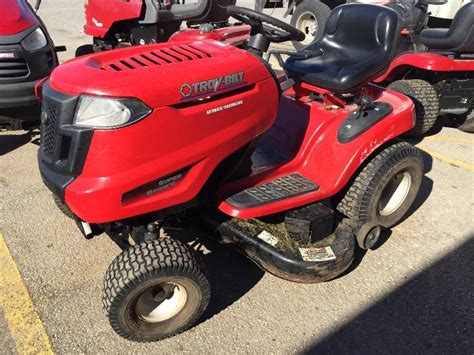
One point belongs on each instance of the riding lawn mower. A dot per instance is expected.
(27, 55)
(139, 22)
(196, 135)
(435, 66)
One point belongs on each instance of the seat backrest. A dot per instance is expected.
(358, 44)
(458, 38)
(464, 19)
(362, 28)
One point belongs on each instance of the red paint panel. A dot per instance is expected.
(321, 158)
(16, 16)
(168, 140)
(428, 61)
(102, 14)
(156, 85)
(231, 35)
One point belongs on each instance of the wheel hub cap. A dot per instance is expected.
(161, 302)
(394, 193)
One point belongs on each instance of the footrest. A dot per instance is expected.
(275, 190)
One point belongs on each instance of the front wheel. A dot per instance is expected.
(63, 207)
(310, 18)
(155, 290)
(385, 189)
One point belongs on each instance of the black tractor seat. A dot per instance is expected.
(458, 38)
(358, 44)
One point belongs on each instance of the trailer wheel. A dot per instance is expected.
(385, 189)
(426, 102)
(310, 18)
(155, 290)
(468, 124)
(63, 207)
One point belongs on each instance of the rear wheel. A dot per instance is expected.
(385, 189)
(426, 102)
(155, 290)
(310, 18)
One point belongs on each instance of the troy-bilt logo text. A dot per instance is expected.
(211, 85)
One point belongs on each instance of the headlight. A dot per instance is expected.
(108, 113)
(35, 40)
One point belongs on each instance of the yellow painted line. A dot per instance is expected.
(450, 139)
(19, 312)
(449, 160)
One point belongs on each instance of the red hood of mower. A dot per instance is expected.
(16, 16)
(161, 74)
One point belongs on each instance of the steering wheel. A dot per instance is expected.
(275, 30)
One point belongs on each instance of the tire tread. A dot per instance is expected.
(356, 201)
(150, 257)
(426, 102)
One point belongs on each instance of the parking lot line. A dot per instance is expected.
(25, 326)
(456, 139)
(449, 160)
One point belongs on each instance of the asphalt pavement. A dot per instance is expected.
(413, 294)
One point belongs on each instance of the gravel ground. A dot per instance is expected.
(413, 294)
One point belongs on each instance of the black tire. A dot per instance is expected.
(84, 50)
(149, 267)
(366, 199)
(314, 10)
(468, 124)
(426, 102)
(63, 207)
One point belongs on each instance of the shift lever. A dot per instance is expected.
(366, 103)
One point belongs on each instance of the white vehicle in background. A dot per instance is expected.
(310, 16)
(442, 15)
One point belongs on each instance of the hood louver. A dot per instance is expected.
(152, 58)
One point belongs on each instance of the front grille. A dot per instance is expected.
(48, 126)
(13, 68)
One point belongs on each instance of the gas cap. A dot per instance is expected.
(206, 28)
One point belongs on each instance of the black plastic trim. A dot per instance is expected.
(282, 188)
(358, 122)
(18, 94)
(61, 163)
(17, 37)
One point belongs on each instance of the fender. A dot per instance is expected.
(320, 157)
(427, 61)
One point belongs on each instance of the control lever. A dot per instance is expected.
(366, 104)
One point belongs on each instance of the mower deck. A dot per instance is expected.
(275, 250)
